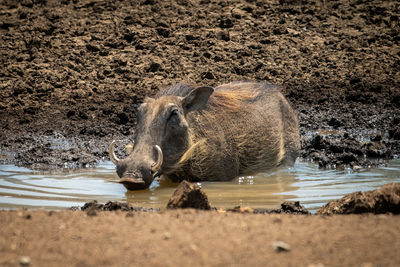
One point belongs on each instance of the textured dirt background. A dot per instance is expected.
(73, 72)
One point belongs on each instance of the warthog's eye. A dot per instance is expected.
(173, 114)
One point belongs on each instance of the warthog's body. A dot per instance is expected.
(211, 135)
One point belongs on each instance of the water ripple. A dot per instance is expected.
(305, 182)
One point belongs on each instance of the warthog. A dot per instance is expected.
(210, 134)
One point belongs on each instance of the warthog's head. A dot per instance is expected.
(162, 138)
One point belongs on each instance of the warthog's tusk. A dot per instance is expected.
(156, 166)
(111, 153)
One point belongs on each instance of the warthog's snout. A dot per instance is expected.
(133, 181)
(143, 173)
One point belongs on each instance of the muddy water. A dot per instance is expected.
(20, 187)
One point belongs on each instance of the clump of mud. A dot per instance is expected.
(383, 200)
(287, 207)
(188, 195)
(110, 206)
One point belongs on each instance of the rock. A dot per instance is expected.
(383, 200)
(25, 261)
(188, 195)
(280, 246)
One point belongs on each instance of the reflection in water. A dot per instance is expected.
(21, 187)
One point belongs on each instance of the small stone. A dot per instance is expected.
(25, 261)
(167, 235)
(280, 246)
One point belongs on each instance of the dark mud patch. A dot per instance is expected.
(287, 207)
(79, 69)
(380, 201)
(94, 206)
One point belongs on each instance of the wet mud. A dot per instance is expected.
(188, 195)
(73, 72)
(379, 201)
(385, 200)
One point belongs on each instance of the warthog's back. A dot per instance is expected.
(245, 128)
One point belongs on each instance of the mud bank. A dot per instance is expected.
(73, 72)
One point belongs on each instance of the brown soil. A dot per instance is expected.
(73, 72)
(196, 238)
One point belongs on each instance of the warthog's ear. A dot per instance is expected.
(197, 98)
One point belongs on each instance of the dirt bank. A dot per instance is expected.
(72, 72)
(196, 238)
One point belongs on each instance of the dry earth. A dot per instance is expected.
(197, 238)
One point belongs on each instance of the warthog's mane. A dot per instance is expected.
(228, 97)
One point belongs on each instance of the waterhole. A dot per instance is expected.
(304, 182)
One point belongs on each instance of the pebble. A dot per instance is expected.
(280, 246)
(25, 261)
(167, 235)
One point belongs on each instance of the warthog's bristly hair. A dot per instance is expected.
(215, 134)
(237, 141)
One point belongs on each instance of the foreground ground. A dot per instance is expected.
(196, 238)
